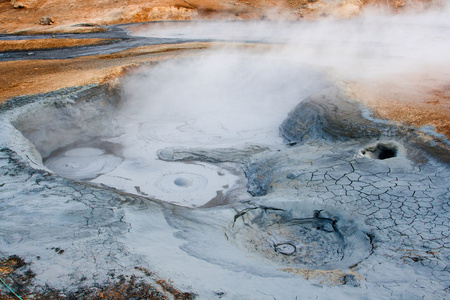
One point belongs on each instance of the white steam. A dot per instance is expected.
(214, 98)
(220, 99)
(369, 45)
(239, 95)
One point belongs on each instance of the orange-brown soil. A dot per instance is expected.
(67, 14)
(75, 15)
(412, 99)
(40, 76)
(28, 45)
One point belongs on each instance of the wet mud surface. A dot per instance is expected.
(119, 38)
(329, 200)
(317, 241)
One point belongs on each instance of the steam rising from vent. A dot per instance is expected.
(217, 99)
(366, 46)
(213, 100)
(237, 95)
(380, 151)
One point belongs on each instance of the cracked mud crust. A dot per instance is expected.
(20, 274)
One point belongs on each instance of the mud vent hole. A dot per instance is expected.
(315, 240)
(380, 151)
(285, 248)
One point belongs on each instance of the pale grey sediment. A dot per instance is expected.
(211, 155)
(387, 220)
(336, 165)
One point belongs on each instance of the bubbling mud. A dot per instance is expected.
(180, 183)
(183, 181)
(309, 239)
(83, 163)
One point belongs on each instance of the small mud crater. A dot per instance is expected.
(381, 151)
(84, 161)
(318, 241)
(181, 182)
(285, 248)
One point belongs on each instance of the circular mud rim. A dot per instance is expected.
(301, 238)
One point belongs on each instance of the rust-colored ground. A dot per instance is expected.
(415, 99)
(75, 15)
(40, 76)
(68, 15)
(28, 45)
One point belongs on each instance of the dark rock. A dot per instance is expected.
(327, 115)
(350, 280)
(47, 20)
(17, 5)
(260, 175)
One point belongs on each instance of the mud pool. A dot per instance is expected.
(241, 176)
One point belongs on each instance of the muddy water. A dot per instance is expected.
(120, 40)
